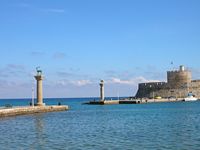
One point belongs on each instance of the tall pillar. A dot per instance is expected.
(102, 90)
(39, 79)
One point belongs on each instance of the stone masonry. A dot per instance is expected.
(179, 84)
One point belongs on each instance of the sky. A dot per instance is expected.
(77, 43)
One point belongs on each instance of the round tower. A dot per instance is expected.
(179, 78)
(102, 90)
(39, 79)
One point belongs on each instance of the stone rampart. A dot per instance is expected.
(146, 88)
(178, 85)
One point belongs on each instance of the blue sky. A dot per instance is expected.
(76, 43)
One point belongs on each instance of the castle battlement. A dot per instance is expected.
(152, 84)
(177, 85)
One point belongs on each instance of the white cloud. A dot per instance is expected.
(73, 82)
(133, 81)
(81, 82)
(129, 82)
(61, 83)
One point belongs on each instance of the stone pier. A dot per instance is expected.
(40, 106)
(30, 110)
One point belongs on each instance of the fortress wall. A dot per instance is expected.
(179, 84)
(196, 92)
(194, 84)
(167, 93)
(194, 87)
(145, 89)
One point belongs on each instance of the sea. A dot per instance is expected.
(152, 126)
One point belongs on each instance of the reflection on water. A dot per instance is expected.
(148, 126)
(39, 132)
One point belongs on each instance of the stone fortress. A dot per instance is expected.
(179, 84)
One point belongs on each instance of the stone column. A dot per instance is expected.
(102, 90)
(39, 79)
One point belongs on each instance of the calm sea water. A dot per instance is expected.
(160, 126)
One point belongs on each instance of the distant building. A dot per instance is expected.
(179, 84)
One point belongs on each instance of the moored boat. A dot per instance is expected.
(190, 97)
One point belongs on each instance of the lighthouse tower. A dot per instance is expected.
(39, 79)
(101, 90)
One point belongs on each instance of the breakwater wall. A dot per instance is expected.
(112, 102)
(30, 110)
(133, 101)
